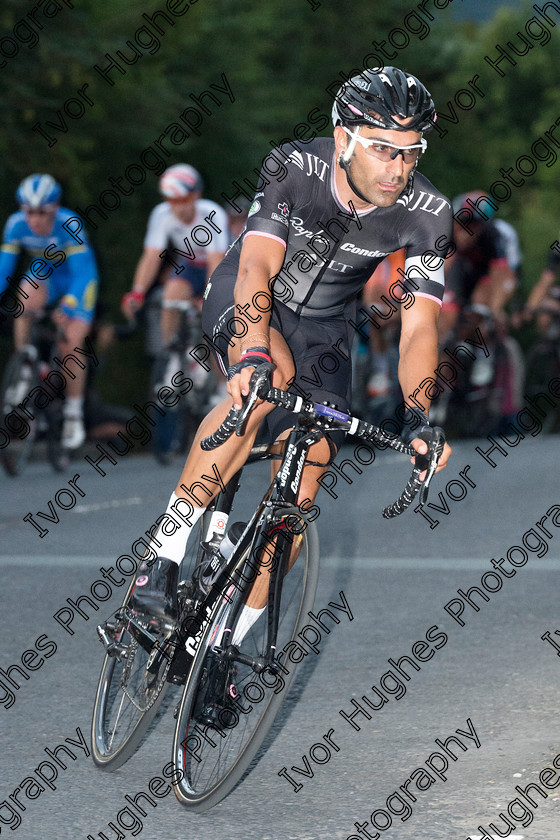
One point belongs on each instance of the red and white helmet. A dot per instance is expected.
(179, 181)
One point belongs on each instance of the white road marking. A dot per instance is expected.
(114, 503)
(429, 563)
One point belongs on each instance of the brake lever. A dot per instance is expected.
(434, 437)
(259, 386)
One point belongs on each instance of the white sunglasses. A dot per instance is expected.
(381, 150)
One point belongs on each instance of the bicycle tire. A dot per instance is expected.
(114, 741)
(165, 431)
(16, 454)
(216, 780)
(57, 455)
(542, 365)
(109, 758)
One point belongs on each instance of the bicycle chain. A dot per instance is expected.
(156, 692)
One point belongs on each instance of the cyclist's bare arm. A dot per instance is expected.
(498, 290)
(146, 271)
(418, 359)
(261, 259)
(540, 289)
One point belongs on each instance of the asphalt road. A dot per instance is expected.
(494, 678)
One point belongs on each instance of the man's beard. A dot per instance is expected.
(372, 193)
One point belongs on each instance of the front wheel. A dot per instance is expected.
(131, 687)
(19, 377)
(133, 680)
(228, 706)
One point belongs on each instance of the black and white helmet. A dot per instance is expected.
(376, 97)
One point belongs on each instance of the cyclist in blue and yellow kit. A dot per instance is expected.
(59, 271)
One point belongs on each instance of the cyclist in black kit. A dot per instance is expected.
(286, 290)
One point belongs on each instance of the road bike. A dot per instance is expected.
(176, 430)
(25, 370)
(231, 693)
(487, 388)
(543, 362)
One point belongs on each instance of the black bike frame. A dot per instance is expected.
(281, 494)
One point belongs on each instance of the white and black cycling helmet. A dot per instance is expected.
(38, 191)
(376, 97)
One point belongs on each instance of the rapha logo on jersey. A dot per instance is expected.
(297, 225)
(363, 252)
(284, 209)
(431, 204)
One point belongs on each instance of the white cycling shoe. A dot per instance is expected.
(73, 432)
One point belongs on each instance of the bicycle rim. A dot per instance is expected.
(542, 365)
(16, 454)
(128, 696)
(210, 761)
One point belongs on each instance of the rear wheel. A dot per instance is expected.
(228, 706)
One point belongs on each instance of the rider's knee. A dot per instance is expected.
(176, 289)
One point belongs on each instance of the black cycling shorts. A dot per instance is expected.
(320, 349)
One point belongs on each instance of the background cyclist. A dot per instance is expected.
(358, 178)
(483, 268)
(544, 299)
(193, 225)
(57, 270)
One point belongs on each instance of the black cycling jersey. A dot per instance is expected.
(330, 251)
(486, 248)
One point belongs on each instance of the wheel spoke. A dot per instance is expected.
(216, 736)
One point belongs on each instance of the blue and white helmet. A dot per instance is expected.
(38, 191)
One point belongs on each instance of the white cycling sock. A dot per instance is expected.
(246, 620)
(173, 545)
(73, 407)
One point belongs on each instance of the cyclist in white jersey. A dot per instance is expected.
(186, 239)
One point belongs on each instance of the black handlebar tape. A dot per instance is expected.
(367, 431)
(223, 433)
(406, 498)
(282, 398)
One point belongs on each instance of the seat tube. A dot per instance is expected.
(217, 515)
